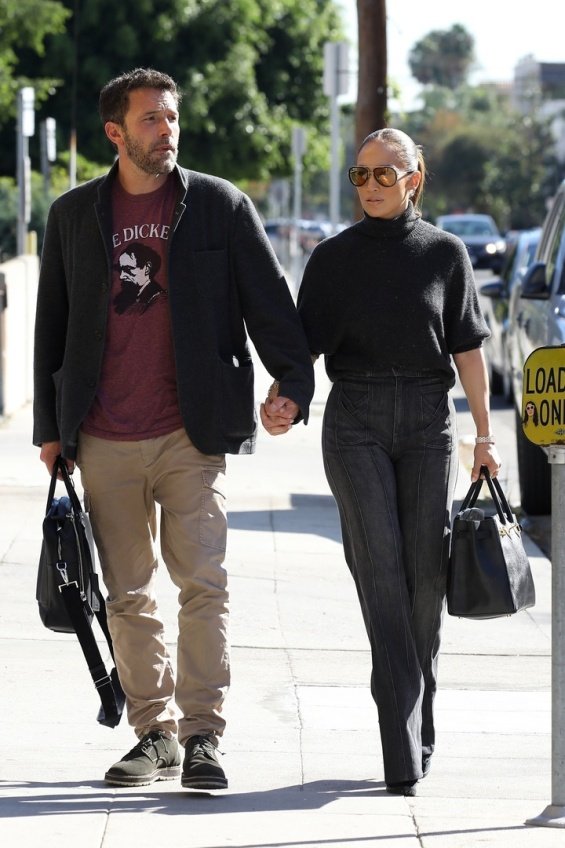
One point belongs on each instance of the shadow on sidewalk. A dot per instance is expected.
(63, 800)
(316, 514)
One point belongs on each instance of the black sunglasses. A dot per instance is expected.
(385, 175)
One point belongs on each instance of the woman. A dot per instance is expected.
(391, 303)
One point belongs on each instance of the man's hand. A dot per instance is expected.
(278, 414)
(49, 453)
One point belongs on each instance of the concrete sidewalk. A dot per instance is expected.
(302, 752)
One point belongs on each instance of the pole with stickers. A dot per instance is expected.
(543, 417)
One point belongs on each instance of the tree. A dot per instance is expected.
(24, 25)
(249, 69)
(482, 156)
(443, 57)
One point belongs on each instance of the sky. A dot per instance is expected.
(504, 32)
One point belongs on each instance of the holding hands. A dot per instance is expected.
(277, 413)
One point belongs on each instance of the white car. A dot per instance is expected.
(537, 319)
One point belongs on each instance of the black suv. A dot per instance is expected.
(537, 319)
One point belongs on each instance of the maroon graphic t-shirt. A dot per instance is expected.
(137, 393)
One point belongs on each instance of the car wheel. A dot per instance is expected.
(534, 472)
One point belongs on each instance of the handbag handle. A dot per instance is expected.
(61, 465)
(499, 498)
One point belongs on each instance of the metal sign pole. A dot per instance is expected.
(554, 813)
(25, 129)
(298, 150)
(542, 404)
(336, 82)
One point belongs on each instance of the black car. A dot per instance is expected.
(485, 245)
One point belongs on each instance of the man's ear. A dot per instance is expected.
(113, 131)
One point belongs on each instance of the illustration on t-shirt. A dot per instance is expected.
(137, 266)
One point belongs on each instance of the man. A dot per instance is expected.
(148, 402)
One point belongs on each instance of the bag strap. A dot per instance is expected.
(107, 685)
(495, 486)
(472, 495)
(499, 498)
(61, 466)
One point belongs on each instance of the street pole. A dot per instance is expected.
(298, 151)
(545, 393)
(48, 149)
(554, 813)
(335, 164)
(336, 82)
(25, 129)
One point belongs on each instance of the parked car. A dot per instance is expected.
(485, 245)
(537, 319)
(495, 297)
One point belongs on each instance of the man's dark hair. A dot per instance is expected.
(113, 103)
(144, 255)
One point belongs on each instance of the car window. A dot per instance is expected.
(526, 256)
(555, 263)
(530, 253)
(469, 228)
(512, 258)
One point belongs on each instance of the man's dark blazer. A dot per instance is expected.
(224, 283)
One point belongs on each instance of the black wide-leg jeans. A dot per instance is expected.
(389, 446)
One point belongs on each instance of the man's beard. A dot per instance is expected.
(153, 163)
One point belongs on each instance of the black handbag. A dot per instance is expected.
(68, 592)
(67, 558)
(489, 574)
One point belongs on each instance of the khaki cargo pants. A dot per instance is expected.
(124, 482)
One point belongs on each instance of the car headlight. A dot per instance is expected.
(495, 247)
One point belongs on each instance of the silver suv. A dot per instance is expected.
(537, 319)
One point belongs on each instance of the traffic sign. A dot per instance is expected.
(543, 396)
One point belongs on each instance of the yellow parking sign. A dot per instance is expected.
(543, 396)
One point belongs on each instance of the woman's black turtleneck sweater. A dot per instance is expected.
(390, 293)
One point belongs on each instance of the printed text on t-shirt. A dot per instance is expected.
(141, 231)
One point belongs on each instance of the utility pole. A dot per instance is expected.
(298, 150)
(372, 93)
(336, 82)
(48, 145)
(25, 129)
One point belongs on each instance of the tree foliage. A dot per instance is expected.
(25, 25)
(249, 69)
(483, 156)
(443, 57)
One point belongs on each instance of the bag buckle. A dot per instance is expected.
(61, 567)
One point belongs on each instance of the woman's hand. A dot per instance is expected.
(485, 454)
(278, 414)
